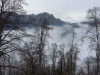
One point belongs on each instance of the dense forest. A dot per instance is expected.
(22, 53)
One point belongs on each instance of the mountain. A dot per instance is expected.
(32, 19)
(51, 20)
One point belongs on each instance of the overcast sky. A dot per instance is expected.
(66, 10)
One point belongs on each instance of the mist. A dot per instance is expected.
(63, 35)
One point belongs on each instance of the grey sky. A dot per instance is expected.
(66, 10)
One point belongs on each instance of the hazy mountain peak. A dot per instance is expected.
(36, 19)
(43, 15)
(32, 14)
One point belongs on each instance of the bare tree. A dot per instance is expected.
(62, 59)
(8, 8)
(72, 57)
(34, 51)
(53, 55)
(29, 56)
(93, 33)
(43, 35)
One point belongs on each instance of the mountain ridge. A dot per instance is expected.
(34, 20)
